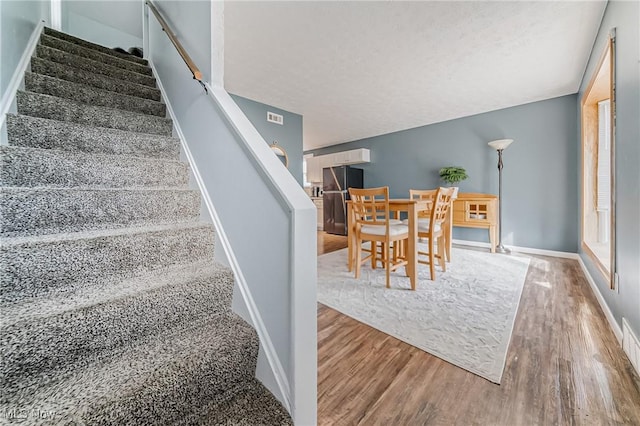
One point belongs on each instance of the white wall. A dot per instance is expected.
(109, 23)
(97, 32)
(18, 19)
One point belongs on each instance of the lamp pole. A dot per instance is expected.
(500, 145)
(501, 248)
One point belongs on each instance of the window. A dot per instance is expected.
(603, 172)
(598, 171)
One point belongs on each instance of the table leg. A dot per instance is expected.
(350, 237)
(493, 231)
(448, 231)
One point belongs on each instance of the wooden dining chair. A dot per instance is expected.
(431, 226)
(428, 194)
(373, 223)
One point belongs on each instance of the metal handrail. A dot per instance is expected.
(197, 75)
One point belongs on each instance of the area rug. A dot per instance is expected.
(464, 317)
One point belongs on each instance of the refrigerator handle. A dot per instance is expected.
(335, 179)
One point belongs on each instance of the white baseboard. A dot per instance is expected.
(529, 250)
(631, 345)
(265, 340)
(603, 304)
(10, 94)
(615, 327)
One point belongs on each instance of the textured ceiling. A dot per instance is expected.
(360, 69)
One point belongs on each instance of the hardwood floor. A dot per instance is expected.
(564, 366)
(329, 242)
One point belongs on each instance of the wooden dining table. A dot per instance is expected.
(398, 205)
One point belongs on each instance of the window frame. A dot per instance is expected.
(609, 51)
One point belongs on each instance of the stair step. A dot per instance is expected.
(69, 73)
(158, 381)
(45, 106)
(95, 55)
(104, 292)
(33, 132)
(40, 211)
(50, 265)
(44, 84)
(84, 43)
(61, 57)
(78, 332)
(35, 167)
(254, 405)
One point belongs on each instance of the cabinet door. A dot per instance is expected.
(319, 208)
(477, 211)
(341, 158)
(314, 171)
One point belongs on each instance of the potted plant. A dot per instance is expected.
(453, 175)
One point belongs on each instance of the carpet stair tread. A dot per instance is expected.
(37, 211)
(84, 43)
(95, 67)
(38, 167)
(102, 293)
(85, 52)
(46, 106)
(47, 85)
(253, 406)
(36, 132)
(165, 377)
(77, 75)
(101, 328)
(64, 264)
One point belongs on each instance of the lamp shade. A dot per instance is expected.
(500, 144)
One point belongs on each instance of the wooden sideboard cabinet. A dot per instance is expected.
(471, 210)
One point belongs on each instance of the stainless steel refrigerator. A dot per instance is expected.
(335, 184)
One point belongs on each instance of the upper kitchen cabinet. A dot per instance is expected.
(314, 169)
(343, 158)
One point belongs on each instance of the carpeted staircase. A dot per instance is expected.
(113, 309)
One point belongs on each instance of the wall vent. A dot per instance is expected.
(275, 118)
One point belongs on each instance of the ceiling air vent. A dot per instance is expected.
(274, 118)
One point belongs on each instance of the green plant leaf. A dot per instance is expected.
(453, 174)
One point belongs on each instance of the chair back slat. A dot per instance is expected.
(442, 201)
(433, 224)
(370, 205)
(423, 194)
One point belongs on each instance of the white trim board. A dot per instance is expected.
(14, 84)
(529, 250)
(603, 304)
(56, 15)
(615, 327)
(256, 319)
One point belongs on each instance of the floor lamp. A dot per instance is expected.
(500, 145)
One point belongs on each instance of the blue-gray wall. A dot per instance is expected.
(18, 19)
(191, 21)
(624, 16)
(540, 198)
(288, 135)
(106, 22)
(237, 185)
